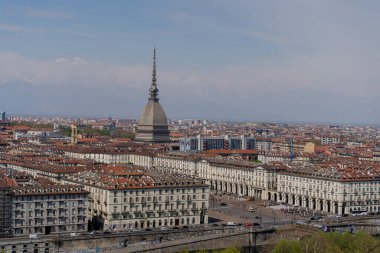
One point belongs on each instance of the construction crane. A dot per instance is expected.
(291, 148)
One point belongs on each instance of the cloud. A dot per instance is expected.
(309, 91)
(33, 12)
(11, 28)
(337, 76)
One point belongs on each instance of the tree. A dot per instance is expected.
(230, 250)
(331, 243)
(287, 246)
(184, 250)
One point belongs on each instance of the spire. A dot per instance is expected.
(153, 91)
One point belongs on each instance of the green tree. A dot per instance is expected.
(287, 246)
(331, 243)
(184, 250)
(230, 250)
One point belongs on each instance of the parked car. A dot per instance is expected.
(223, 204)
(164, 228)
(248, 225)
(74, 234)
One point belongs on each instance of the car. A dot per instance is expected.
(185, 227)
(164, 228)
(107, 232)
(231, 223)
(251, 209)
(248, 225)
(135, 230)
(215, 225)
(255, 224)
(223, 204)
(93, 232)
(257, 217)
(74, 234)
(148, 229)
(175, 227)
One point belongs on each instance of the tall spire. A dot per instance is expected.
(153, 91)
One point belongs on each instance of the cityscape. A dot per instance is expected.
(207, 166)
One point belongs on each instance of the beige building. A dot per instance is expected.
(309, 148)
(131, 198)
(241, 177)
(329, 190)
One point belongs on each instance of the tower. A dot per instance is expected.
(74, 134)
(153, 124)
(2, 116)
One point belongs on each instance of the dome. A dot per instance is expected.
(153, 115)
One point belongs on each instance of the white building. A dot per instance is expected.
(39, 206)
(122, 198)
(329, 190)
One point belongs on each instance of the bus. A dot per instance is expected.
(358, 212)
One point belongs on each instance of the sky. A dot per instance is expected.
(262, 60)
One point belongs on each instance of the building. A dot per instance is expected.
(328, 140)
(37, 205)
(131, 197)
(5, 208)
(330, 190)
(241, 177)
(309, 148)
(153, 124)
(2, 116)
(201, 143)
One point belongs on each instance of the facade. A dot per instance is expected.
(130, 198)
(329, 190)
(140, 159)
(153, 124)
(178, 162)
(37, 205)
(333, 189)
(5, 208)
(267, 157)
(241, 177)
(202, 143)
(328, 140)
(263, 145)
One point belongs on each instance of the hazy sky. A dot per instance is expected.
(285, 60)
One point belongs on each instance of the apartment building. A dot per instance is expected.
(123, 198)
(241, 177)
(331, 190)
(37, 205)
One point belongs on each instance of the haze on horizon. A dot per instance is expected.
(293, 60)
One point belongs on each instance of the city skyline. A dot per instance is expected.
(290, 62)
